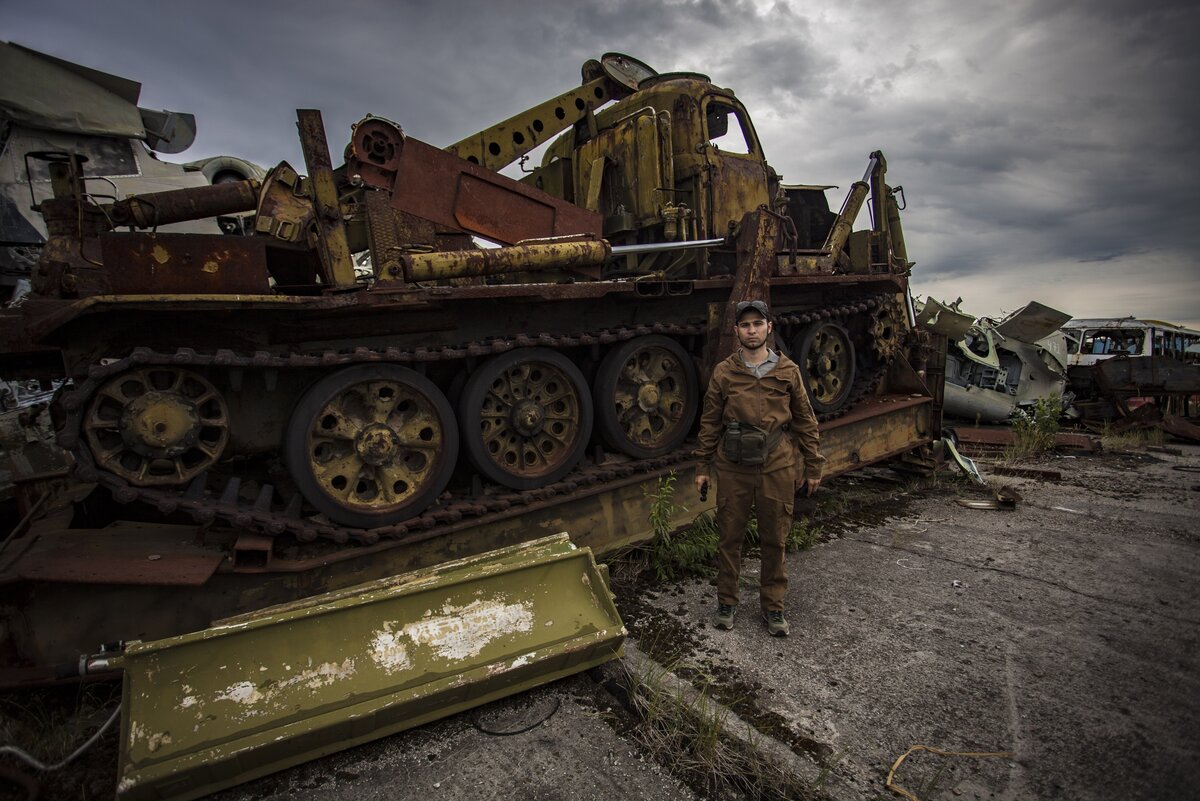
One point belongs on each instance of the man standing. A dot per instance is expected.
(756, 420)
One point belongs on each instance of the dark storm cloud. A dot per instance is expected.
(1035, 140)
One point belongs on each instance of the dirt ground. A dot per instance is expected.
(1063, 633)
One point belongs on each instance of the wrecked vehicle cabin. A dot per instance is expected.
(252, 422)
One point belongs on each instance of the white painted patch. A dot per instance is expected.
(321, 676)
(388, 650)
(157, 741)
(136, 732)
(463, 631)
(187, 702)
(243, 692)
(125, 785)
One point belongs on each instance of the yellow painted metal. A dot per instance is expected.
(331, 242)
(254, 694)
(492, 261)
(840, 231)
(505, 142)
(877, 429)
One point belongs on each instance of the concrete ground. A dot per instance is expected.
(573, 753)
(1064, 632)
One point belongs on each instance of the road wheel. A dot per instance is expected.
(646, 397)
(157, 426)
(527, 417)
(371, 445)
(826, 358)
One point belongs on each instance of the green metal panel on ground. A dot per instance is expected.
(264, 691)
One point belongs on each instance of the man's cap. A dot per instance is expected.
(752, 305)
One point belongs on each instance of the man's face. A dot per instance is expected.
(753, 330)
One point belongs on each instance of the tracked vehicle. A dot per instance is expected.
(282, 423)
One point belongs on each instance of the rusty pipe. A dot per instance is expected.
(495, 261)
(177, 205)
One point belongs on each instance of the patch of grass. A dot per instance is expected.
(1034, 428)
(803, 534)
(1130, 440)
(685, 732)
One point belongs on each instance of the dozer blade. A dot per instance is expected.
(278, 687)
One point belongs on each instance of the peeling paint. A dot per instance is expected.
(463, 631)
(188, 701)
(136, 732)
(157, 741)
(388, 651)
(160, 254)
(243, 692)
(321, 676)
(257, 697)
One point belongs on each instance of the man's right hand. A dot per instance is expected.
(702, 484)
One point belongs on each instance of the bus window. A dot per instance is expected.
(1112, 341)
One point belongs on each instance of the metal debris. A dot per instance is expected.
(967, 465)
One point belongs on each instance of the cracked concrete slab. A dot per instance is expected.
(1064, 632)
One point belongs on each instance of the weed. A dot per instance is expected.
(677, 553)
(685, 732)
(1034, 428)
(1130, 440)
(803, 534)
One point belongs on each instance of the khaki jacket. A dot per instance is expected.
(771, 402)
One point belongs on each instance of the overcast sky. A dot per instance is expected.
(1047, 149)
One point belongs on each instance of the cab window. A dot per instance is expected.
(725, 128)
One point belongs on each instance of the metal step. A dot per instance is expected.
(258, 693)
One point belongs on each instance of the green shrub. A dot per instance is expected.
(1034, 428)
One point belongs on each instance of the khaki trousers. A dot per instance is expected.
(737, 495)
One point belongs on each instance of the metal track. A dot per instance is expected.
(268, 515)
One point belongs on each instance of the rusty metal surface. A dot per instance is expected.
(1179, 427)
(875, 430)
(60, 621)
(1131, 376)
(1004, 437)
(985, 436)
(557, 256)
(124, 553)
(178, 205)
(184, 264)
(438, 186)
(757, 241)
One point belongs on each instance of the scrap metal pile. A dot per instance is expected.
(357, 387)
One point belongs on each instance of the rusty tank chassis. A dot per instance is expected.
(213, 493)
